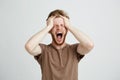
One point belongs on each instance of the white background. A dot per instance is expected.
(20, 19)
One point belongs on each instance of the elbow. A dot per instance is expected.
(27, 47)
(90, 46)
(85, 49)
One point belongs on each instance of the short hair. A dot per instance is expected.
(57, 13)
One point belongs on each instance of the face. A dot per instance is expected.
(58, 31)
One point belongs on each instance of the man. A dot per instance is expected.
(59, 60)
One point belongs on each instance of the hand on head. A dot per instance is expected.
(50, 21)
(67, 21)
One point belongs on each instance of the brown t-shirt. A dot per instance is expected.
(59, 64)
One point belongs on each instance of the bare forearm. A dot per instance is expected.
(35, 39)
(86, 44)
(80, 36)
(32, 45)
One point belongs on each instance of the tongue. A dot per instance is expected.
(59, 37)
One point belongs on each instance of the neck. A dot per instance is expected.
(58, 46)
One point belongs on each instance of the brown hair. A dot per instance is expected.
(57, 13)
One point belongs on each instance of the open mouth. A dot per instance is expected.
(59, 35)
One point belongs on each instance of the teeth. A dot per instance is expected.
(59, 35)
(59, 32)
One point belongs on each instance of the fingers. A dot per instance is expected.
(67, 21)
(64, 17)
(50, 18)
(50, 21)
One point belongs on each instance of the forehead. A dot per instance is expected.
(58, 20)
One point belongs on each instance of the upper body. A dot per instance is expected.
(59, 64)
(59, 60)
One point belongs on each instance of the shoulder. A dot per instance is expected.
(44, 48)
(74, 49)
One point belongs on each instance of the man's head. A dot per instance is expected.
(59, 30)
(58, 13)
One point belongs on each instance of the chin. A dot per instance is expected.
(59, 43)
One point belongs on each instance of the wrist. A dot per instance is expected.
(48, 28)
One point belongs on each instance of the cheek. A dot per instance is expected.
(65, 30)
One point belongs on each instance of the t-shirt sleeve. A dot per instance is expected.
(78, 55)
(42, 49)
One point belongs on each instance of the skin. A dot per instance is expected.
(54, 26)
(59, 27)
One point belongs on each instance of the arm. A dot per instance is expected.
(85, 44)
(32, 45)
